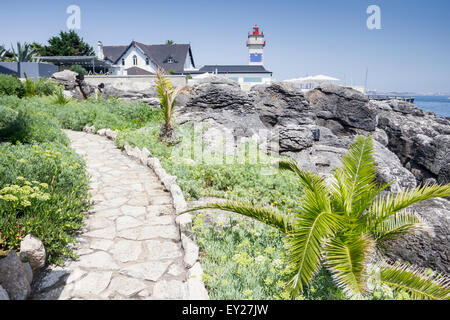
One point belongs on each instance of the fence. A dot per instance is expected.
(33, 70)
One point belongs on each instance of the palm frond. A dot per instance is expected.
(313, 224)
(415, 281)
(308, 180)
(397, 225)
(267, 215)
(384, 207)
(347, 260)
(356, 178)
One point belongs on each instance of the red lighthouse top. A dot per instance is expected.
(256, 31)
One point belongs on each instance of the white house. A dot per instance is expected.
(141, 59)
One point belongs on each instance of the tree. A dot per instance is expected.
(5, 55)
(170, 42)
(2, 51)
(67, 44)
(78, 69)
(167, 95)
(37, 48)
(343, 227)
(22, 53)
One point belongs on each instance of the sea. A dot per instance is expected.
(440, 105)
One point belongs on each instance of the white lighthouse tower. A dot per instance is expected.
(256, 44)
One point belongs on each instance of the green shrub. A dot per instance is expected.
(75, 116)
(11, 86)
(60, 98)
(7, 116)
(10, 101)
(237, 181)
(78, 69)
(41, 87)
(45, 87)
(30, 88)
(245, 260)
(30, 127)
(53, 208)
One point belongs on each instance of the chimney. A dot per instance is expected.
(100, 51)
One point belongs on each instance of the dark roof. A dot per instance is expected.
(135, 71)
(70, 60)
(159, 54)
(233, 69)
(113, 53)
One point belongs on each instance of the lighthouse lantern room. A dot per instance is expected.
(256, 44)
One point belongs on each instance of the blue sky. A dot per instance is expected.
(410, 53)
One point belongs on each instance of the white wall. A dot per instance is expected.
(119, 80)
(128, 56)
(187, 64)
(265, 77)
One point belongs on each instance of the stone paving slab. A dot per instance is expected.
(130, 247)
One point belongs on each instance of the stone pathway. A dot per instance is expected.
(130, 247)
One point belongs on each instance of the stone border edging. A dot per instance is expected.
(195, 288)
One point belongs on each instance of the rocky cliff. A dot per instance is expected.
(315, 129)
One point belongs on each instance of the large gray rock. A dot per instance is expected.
(67, 78)
(281, 104)
(134, 91)
(218, 93)
(345, 105)
(14, 277)
(431, 248)
(323, 160)
(295, 138)
(390, 169)
(419, 139)
(32, 250)
(3, 294)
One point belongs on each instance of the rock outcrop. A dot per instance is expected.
(316, 128)
(419, 138)
(145, 92)
(345, 105)
(32, 250)
(74, 84)
(14, 277)
(427, 248)
(66, 78)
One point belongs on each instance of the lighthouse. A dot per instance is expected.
(256, 44)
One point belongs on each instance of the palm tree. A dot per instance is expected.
(343, 226)
(167, 98)
(2, 52)
(24, 53)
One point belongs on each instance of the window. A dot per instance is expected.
(123, 62)
(147, 61)
(135, 60)
(255, 57)
(234, 79)
(253, 79)
(170, 59)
